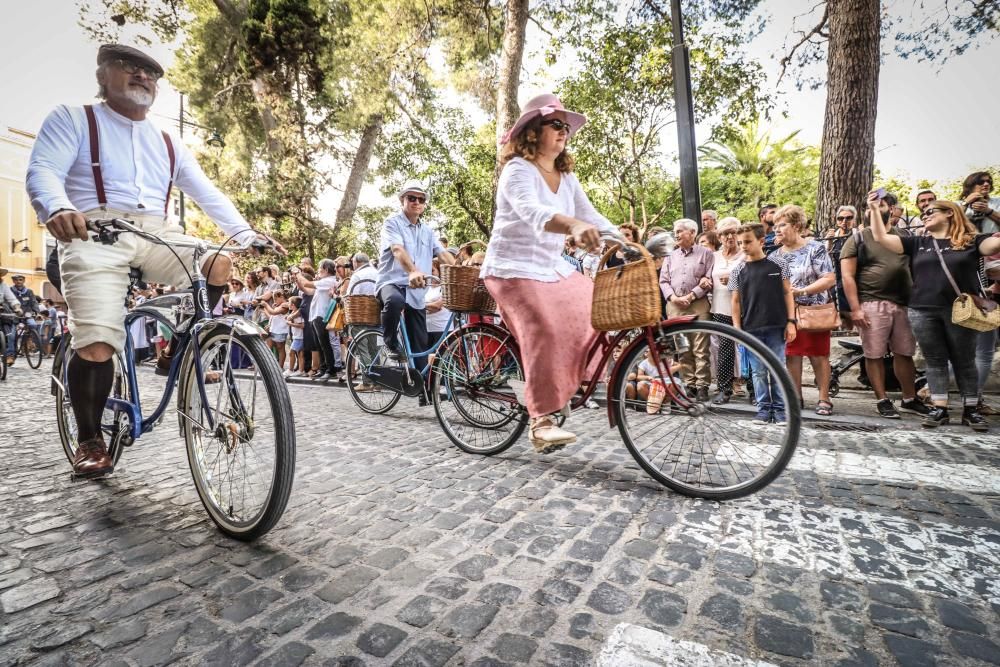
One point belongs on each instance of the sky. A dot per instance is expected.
(934, 122)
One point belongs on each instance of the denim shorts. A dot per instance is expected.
(279, 338)
(296, 345)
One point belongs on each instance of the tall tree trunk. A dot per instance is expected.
(847, 159)
(511, 55)
(356, 179)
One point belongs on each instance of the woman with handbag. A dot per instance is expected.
(812, 277)
(945, 268)
(542, 299)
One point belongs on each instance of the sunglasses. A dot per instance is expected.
(132, 68)
(416, 200)
(845, 217)
(730, 232)
(928, 212)
(985, 181)
(557, 125)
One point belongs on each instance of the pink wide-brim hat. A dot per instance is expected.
(544, 105)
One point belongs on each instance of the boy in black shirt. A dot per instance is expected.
(763, 307)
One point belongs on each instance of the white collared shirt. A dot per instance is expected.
(135, 167)
(519, 245)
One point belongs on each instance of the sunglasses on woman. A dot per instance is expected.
(416, 200)
(557, 125)
(841, 218)
(928, 212)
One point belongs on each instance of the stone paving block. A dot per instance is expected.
(609, 599)
(248, 604)
(293, 615)
(291, 654)
(514, 648)
(467, 620)
(663, 608)
(346, 583)
(52, 638)
(911, 652)
(28, 594)
(474, 568)
(272, 566)
(777, 636)
(120, 633)
(427, 653)
(380, 639)
(158, 649)
(421, 610)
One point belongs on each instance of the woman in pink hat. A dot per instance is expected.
(543, 300)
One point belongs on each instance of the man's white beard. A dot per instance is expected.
(139, 97)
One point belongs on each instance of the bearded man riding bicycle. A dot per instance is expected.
(108, 161)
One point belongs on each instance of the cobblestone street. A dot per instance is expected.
(397, 548)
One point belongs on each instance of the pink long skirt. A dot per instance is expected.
(551, 323)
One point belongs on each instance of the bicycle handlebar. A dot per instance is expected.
(107, 231)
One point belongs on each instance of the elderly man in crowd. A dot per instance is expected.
(709, 219)
(686, 282)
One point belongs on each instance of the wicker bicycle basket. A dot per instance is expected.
(361, 310)
(462, 290)
(626, 296)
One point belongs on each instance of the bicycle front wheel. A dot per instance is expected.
(473, 386)
(240, 434)
(367, 353)
(707, 449)
(31, 347)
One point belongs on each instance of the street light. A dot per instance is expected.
(24, 248)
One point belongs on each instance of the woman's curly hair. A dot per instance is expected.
(525, 145)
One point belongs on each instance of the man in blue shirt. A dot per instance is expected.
(765, 215)
(407, 249)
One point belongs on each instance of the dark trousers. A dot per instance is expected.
(393, 298)
(323, 344)
(942, 342)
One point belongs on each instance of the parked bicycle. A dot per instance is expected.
(693, 447)
(233, 407)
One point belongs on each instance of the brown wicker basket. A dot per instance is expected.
(362, 310)
(462, 290)
(627, 296)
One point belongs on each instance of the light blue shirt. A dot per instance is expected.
(419, 241)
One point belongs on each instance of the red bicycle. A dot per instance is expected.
(697, 448)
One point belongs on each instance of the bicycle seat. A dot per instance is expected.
(854, 346)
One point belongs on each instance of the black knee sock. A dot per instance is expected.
(89, 387)
(215, 293)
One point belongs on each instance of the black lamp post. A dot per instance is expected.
(684, 104)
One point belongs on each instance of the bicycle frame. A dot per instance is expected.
(411, 355)
(604, 345)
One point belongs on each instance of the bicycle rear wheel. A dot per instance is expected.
(113, 423)
(243, 460)
(703, 449)
(31, 347)
(473, 383)
(367, 351)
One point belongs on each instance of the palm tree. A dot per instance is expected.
(749, 151)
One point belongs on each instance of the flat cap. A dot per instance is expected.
(121, 52)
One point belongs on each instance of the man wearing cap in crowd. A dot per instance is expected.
(8, 304)
(104, 161)
(407, 249)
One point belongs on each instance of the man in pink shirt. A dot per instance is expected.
(686, 282)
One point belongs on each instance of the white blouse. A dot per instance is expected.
(519, 245)
(721, 296)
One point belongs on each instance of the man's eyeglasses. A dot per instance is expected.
(557, 125)
(131, 68)
(728, 232)
(844, 217)
(413, 199)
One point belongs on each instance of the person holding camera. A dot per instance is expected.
(951, 241)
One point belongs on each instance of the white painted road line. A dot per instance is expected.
(636, 646)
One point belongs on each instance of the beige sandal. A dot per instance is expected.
(546, 437)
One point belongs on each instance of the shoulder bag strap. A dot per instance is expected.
(95, 155)
(173, 161)
(944, 266)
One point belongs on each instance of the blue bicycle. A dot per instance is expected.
(377, 380)
(233, 407)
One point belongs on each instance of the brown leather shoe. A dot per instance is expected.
(92, 458)
(163, 364)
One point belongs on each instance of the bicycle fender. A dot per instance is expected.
(240, 325)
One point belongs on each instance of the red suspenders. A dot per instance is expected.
(95, 159)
